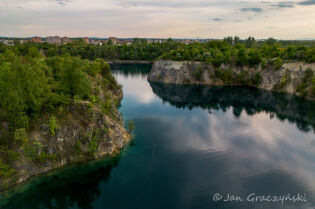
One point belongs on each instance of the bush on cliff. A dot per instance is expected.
(197, 74)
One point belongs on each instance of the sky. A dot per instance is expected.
(159, 18)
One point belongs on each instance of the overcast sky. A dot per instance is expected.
(159, 18)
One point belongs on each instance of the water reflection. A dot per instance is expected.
(74, 186)
(132, 77)
(283, 106)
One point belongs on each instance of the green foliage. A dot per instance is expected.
(32, 86)
(5, 170)
(218, 58)
(197, 74)
(107, 107)
(93, 99)
(285, 79)
(20, 135)
(256, 79)
(93, 146)
(78, 149)
(254, 57)
(12, 156)
(131, 126)
(225, 75)
(250, 42)
(31, 149)
(44, 157)
(278, 63)
(242, 58)
(52, 125)
(23, 87)
(242, 78)
(71, 75)
(263, 63)
(306, 81)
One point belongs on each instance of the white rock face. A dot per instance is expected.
(184, 72)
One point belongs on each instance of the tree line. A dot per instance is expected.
(230, 49)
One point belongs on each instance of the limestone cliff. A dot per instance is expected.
(293, 77)
(84, 130)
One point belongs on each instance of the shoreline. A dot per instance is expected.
(129, 62)
(287, 79)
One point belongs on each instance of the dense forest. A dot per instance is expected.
(228, 50)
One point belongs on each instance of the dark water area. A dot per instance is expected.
(191, 145)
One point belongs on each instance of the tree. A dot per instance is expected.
(250, 42)
(271, 41)
(242, 58)
(23, 87)
(72, 76)
(131, 126)
(228, 39)
(254, 57)
(236, 40)
(218, 58)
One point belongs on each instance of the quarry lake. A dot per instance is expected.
(194, 147)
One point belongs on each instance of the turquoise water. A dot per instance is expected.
(191, 143)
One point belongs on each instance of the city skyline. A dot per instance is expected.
(158, 19)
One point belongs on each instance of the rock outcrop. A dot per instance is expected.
(84, 131)
(293, 77)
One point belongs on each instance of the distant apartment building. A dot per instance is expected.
(53, 40)
(186, 41)
(96, 41)
(86, 40)
(113, 40)
(37, 39)
(65, 40)
(8, 42)
(22, 41)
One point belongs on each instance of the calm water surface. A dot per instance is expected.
(190, 143)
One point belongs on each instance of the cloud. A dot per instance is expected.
(284, 4)
(174, 3)
(62, 2)
(308, 2)
(255, 9)
(217, 19)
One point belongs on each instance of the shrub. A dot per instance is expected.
(278, 63)
(242, 58)
(218, 58)
(305, 82)
(256, 79)
(52, 125)
(242, 78)
(12, 156)
(44, 157)
(20, 135)
(131, 126)
(93, 146)
(254, 57)
(5, 170)
(285, 79)
(31, 149)
(225, 75)
(197, 74)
